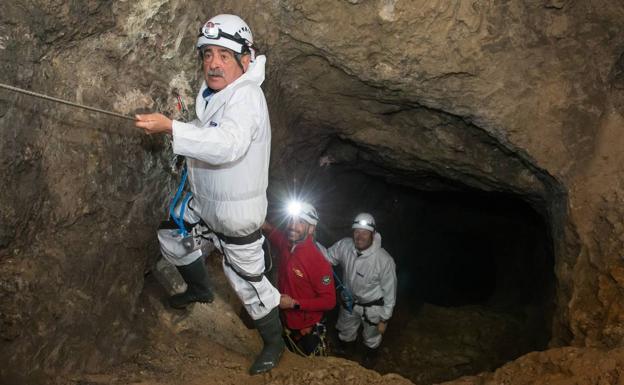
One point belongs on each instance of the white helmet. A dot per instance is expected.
(305, 211)
(364, 221)
(229, 31)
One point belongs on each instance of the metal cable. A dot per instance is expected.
(46, 97)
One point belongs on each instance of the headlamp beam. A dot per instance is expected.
(294, 208)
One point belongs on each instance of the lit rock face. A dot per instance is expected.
(514, 97)
(510, 97)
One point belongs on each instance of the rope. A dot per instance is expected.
(46, 97)
(294, 345)
(319, 351)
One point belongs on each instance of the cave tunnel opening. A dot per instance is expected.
(475, 269)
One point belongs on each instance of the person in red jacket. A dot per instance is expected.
(305, 280)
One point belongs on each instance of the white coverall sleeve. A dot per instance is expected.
(388, 287)
(333, 253)
(230, 139)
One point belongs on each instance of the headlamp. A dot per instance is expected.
(302, 210)
(294, 208)
(211, 31)
(363, 222)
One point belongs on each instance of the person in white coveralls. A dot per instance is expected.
(369, 276)
(227, 151)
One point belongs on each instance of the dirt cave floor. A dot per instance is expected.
(210, 344)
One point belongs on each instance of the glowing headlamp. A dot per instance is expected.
(294, 208)
(362, 223)
(302, 210)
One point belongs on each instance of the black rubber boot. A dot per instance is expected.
(344, 349)
(370, 357)
(270, 328)
(198, 285)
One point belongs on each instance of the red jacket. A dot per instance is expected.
(306, 276)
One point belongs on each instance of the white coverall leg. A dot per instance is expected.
(171, 241)
(259, 298)
(247, 259)
(348, 325)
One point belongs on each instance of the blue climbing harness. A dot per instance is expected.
(179, 220)
(345, 295)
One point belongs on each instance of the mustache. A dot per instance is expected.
(215, 72)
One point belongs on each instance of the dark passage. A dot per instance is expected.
(475, 270)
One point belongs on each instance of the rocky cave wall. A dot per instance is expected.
(499, 97)
(520, 97)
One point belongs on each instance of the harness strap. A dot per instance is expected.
(346, 298)
(231, 240)
(171, 225)
(185, 228)
(377, 302)
(179, 220)
(367, 320)
(240, 241)
(250, 278)
(244, 240)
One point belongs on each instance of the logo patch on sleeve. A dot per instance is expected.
(326, 280)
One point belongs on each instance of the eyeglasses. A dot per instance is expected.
(211, 31)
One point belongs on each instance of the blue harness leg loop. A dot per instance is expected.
(179, 220)
(345, 294)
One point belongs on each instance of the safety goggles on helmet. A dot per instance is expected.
(211, 31)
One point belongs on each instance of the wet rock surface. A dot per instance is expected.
(523, 98)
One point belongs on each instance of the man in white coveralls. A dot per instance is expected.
(227, 152)
(369, 275)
